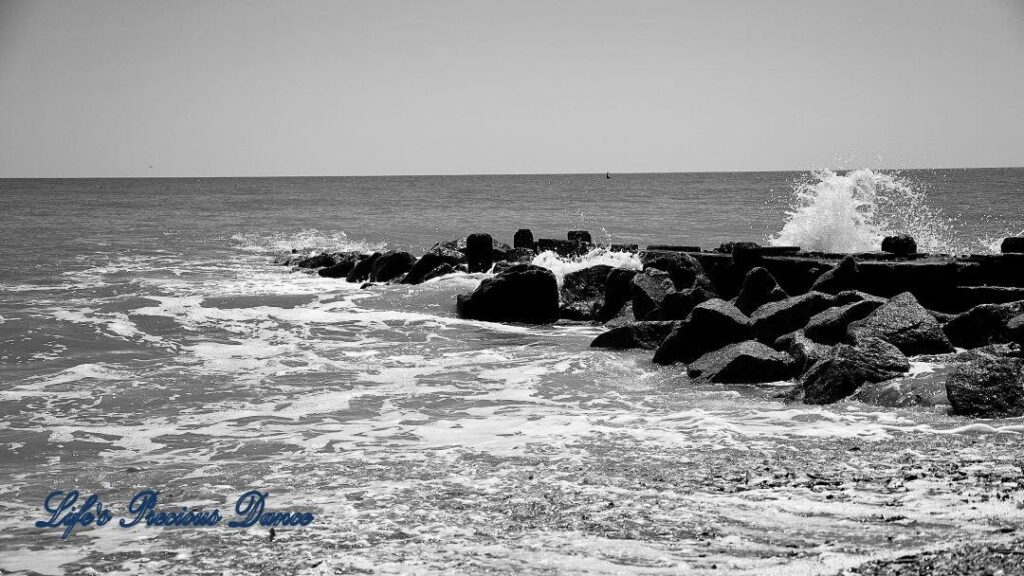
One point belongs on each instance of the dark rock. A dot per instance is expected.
(634, 248)
(502, 252)
(523, 255)
(524, 239)
(673, 248)
(841, 277)
(904, 323)
(677, 305)
(847, 368)
(624, 317)
(479, 252)
(344, 262)
(747, 362)
(433, 259)
(1015, 330)
(746, 255)
(777, 318)
(583, 292)
(900, 245)
(648, 289)
(850, 296)
(361, 271)
(442, 270)
(759, 288)
(523, 293)
(987, 387)
(804, 351)
(645, 335)
(316, 261)
(829, 326)
(681, 267)
(563, 248)
(1012, 245)
(617, 293)
(983, 324)
(580, 236)
(391, 265)
(710, 325)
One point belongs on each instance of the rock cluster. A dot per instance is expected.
(836, 327)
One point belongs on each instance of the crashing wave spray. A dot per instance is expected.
(855, 211)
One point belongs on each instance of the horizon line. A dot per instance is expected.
(450, 175)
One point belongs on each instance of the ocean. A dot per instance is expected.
(147, 341)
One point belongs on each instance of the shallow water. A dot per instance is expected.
(148, 341)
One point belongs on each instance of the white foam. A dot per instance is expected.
(562, 266)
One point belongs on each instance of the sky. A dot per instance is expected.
(109, 88)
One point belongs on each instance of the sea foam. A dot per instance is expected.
(853, 212)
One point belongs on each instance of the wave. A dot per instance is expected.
(853, 212)
(308, 240)
(562, 266)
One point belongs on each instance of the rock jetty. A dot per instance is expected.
(835, 325)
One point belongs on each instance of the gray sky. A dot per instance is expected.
(111, 88)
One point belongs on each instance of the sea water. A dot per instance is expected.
(147, 341)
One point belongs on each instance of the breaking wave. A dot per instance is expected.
(307, 240)
(562, 266)
(853, 212)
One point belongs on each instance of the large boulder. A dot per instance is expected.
(710, 325)
(829, 326)
(987, 387)
(648, 289)
(759, 288)
(777, 318)
(846, 368)
(804, 351)
(904, 323)
(523, 238)
(391, 265)
(432, 260)
(617, 293)
(900, 245)
(523, 293)
(644, 335)
(583, 292)
(316, 261)
(361, 271)
(841, 277)
(442, 270)
(747, 362)
(682, 268)
(983, 324)
(479, 252)
(344, 262)
(677, 305)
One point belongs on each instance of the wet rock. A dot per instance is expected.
(361, 271)
(747, 362)
(523, 255)
(987, 388)
(677, 305)
(759, 288)
(829, 326)
(563, 248)
(442, 270)
(433, 259)
(804, 351)
(904, 323)
(648, 289)
(316, 261)
(523, 293)
(479, 252)
(1015, 329)
(777, 318)
(582, 236)
(644, 335)
(624, 317)
(523, 238)
(391, 265)
(682, 268)
(900, 245)
(617, 293)
(344, 262)
(847, 368)
(1012, 246)
(502, 252)
(983, 324)
(583, 292)
(746, 255)
(710, 325)
(842, 277)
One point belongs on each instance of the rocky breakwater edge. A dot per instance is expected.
(835, 326)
